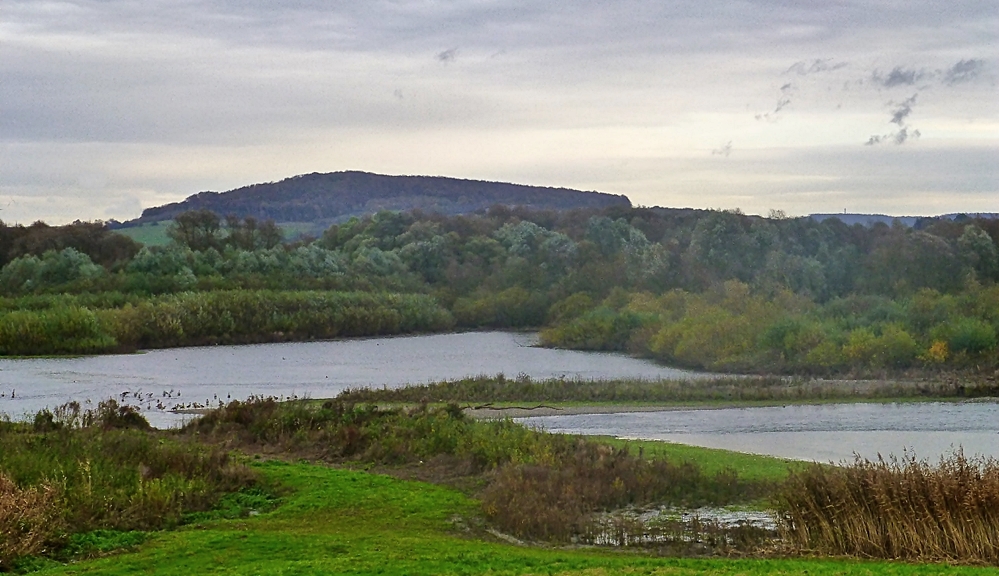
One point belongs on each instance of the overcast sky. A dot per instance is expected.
(111, 106)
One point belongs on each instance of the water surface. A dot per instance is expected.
(160, 380)
(824, 433)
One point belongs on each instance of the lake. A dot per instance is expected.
(206, 375)
(161, 380)
(824, 433)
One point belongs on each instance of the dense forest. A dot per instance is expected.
(334, 197)
(716, 290)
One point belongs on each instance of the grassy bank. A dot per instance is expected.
(350, 522)
(532, 484)
(749, 467)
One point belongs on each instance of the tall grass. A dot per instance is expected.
(77, 325)
(489, 389)
(904, 509)
(73, 471)
(29, 517)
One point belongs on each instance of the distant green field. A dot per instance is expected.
(154, 234)
(294, 230)
(352, 522)
(712, 460)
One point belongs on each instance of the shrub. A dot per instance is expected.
(599, 329)
(972, 336)
(513, 307)
(895, 348)
(937, 353)
(112, 473)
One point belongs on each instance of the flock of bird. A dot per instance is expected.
(169, 400)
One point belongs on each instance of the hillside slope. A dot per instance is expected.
(327, 198)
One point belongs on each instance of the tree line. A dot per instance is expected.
(710, 289)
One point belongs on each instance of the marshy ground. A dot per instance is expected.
(306, 487)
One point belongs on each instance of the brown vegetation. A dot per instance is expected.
(558, 500)
(29, 517)
(901, 509)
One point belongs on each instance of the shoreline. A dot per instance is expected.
(515, 412)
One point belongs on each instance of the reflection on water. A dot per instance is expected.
(207, 375)
(833, 432)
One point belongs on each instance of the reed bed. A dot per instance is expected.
(897, 508)
(499, 388)
(78, 325)
(29, 517)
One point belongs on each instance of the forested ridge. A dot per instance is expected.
(334, 197)
(715, 290)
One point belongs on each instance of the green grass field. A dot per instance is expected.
(712, 460)
(336, 521)
(153, 234)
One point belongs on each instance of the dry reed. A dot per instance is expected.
(902, 509)
(29, 517)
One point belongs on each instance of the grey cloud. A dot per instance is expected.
(725, 150)
(898, 77)
(447, 55)
(902, 135)
(803, 68)
(899, 137)
(783, 102)
(901, 112)
(903, 109)
(963, 71)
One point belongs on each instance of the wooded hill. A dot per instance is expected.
(335, 197)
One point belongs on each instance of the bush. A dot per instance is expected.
(969, 335)
(511, 308)
(895, 348)
(599, 329)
